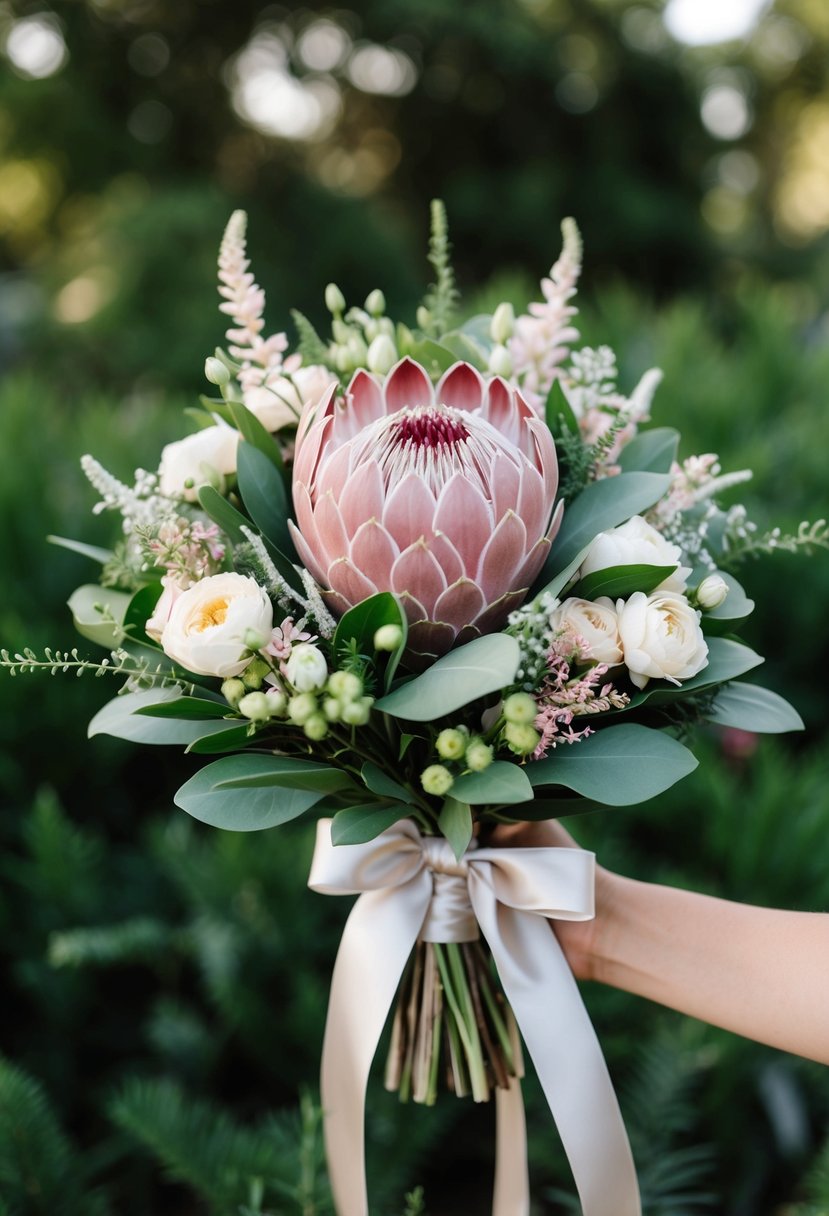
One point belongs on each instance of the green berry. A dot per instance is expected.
(233, 690)
(437, 780)
(302, 707)
(254, 674)
(520, 708)
(332, 709)
(388, 637)
(255, 706)
(521, 738)
(451, 744)
(478, 756)
(345, 685)
(316, 727)
(356, 713)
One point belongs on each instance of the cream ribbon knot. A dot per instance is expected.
(412, 886)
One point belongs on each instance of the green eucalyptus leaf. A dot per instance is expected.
(90, 622)
(558, 412)
(483, 666)
(254, 433)
(189, 709)
(431, 355)
(222, 513)
(358, 824)
(140, 609)
(211, 797)
(102, 556)
(121, 719)
(383, 785)
(619, 582)
(464, 347)
(202, 418)
(455, 822)
(500, 783)
(651, 452)
(601, 505)
(617, 766)
(289, 772)
(750, 707)
(234, 739)
(262, 490)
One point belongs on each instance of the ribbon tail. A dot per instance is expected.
(511, 1196)
(565, 1050)
(376, 943)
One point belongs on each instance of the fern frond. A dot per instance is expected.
(442, 297)
(140, 939)
(36, 1170)
(310, 346)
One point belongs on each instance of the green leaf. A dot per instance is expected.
(217, 406)
(222, 513)
(102, 556)
(434, 357)
(90, 623)
(202, 418)
(548, 808)
(621, 581)
(601, 505)
(140, 609)
(253, 432)
(406, 742)
(651, 452)
(501, 783)
(617, 766)
(263, 492)
(361, 622)
(464, 347)
(478, 329)
(357, 824)
(121, 719)
(384, 786)
(287, 772)
(208, 796)
(750, 707)
(233, 739)
(558, 412)
(455, 822)
(187, 709)
(483, 666)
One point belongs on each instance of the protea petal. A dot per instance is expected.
(465, 516)
(363, 404)
(461, 388)
(448, 557)
(407, 387)
(417, 567)
(460, 603)
(502, 556)
(374, 552)
(308, 554)
(351, 583)
(362, 497)
(409, 511)
(333, 538)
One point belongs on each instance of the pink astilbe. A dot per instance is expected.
(244, 302)
(543, 336)
(564, 696)
(188, 551)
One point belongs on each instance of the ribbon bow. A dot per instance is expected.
(412, 886)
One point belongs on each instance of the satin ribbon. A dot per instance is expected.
(410, 886)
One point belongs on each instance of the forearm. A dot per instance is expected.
(759, 972)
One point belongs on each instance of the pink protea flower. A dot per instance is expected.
(443, 495)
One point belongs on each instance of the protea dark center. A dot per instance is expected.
(429, 428)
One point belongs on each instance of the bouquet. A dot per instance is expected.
(419, 582)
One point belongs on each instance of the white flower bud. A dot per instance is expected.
(500, 361)
(388, 637)
(357, 351)
(334, 300)
(255, 706)
(216, 372)
(340, 331)
(423, 317)
(382, 355)
(376, 303)
(502, 323)
(712, 591)
(306, 668)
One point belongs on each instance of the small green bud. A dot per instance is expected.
(376, 303)
(315, 727)
(404, 339)
(254, 640)
(332, 709)
(340, 331)
(216, 372)
(302, 707)
(357, 351)
(382, 355)
(254, 674)
(388, 637)
(423, 317)
(277, 702)
(521, 738)
(450, 744)
(503, 323)
(255, 706)
(334, 300)
(500, 361)
(345, 685)
(233, 690)
(478, 756)
(341, 359)
(520, 708)
(356, 713)
(437, 780)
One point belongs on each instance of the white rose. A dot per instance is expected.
(636, 543)
(595, 622)
(661, 637)
(306, 668)
(196, 460)
(206, 629)
(164, 606)
(281, 403)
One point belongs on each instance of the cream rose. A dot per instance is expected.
(661, 637)
(208, 623)
(636, 543)
(595, 622)
(196, 460)
(280, 403)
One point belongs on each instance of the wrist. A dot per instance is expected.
(613, 893)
